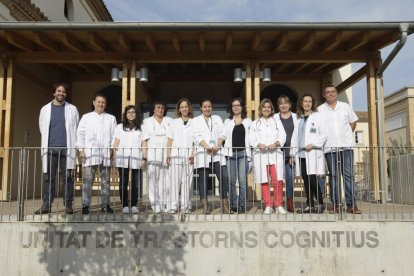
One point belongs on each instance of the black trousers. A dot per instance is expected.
(123, 186)
(311, 185)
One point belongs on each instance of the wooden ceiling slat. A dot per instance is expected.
(202, 41)
(332, 42)
(281, 41)
(124, 42)
(229, 42)
(357, 42)
(307, 42)
(96, 42)
(299, 68)
(45, 42)
(19, 41)
(176, 42)
(149, 41)
(254, 45)
(71, 42)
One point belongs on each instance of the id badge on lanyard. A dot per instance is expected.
(211, 142)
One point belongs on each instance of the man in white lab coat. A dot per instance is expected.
(94, 137)
(58, 121)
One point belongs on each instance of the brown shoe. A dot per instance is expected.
(206, 207)
(333, 209)
(225, 206)
(290, 206)
(353, 210)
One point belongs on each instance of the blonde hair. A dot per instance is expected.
(262, 103)
(177, 108)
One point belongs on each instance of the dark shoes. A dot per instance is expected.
(43, 210)
(241, 210)
(107, 209)
(85, 210)
(333, 209)
(320, 208)
(290, 206)
(307, 210)
(68, 211)
(353, 210)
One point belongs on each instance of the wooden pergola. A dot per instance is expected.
(208, 51)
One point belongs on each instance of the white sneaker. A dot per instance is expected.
(280, 210)
(268, 210)
(125, 210)
(157, 210)
(134, 210)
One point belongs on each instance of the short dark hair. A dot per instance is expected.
(243, 106)
(159, 102)
(205, 100)
(63, 84)
(329, 86)
(99, 94)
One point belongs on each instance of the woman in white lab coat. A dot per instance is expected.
(154, 144)
(209, 136)
(128, 157)
(180, 157)
(310, 160)
(266, 137)
(237, 150)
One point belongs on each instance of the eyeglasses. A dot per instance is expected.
(131, 112)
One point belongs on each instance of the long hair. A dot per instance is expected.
(136, 123)
(190, 108)
(262, 103)
(300, 110)
(243, 106)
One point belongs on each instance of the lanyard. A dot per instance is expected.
(211, 126)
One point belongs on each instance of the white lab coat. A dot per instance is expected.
(71, 123)
(315, 134)
(182, 136)
(208, 132)
(156, 134)
(229, 124)
(128, 153)
(94, 136)
(296, 120)
(267, 132)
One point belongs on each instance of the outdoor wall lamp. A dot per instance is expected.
(240, 75)
(141, 74)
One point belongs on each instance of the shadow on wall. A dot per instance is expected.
(105, 248)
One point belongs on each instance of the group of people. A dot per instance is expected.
(182, 152)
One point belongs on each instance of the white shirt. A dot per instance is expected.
(156, 135)
(181, 134)
(209, 131)
(94, 136)
(128, 153)
(338, 127)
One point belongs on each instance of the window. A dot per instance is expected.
(396, 121)
(359, 136)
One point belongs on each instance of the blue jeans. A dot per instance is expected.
(344, 161)
(221, 174)
(237, 167)
(289, 179)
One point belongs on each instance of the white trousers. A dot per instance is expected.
(158, 189)
(181, 176)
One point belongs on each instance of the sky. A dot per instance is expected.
(399, 73)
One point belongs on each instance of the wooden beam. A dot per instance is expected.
(124, 42)
(317, 67)
(279, 67)
(32, 78)
(149, 41)
(357, 42)
(299, 68)
(202, 41)
(124, 86)
(229, 42)
(19, 41)
(256, 41)
(332, 42)
(249, 91)
(307, 42)
(95, 42)
(176, 42)
(45, 42)
(384, 41)
(71, 42)
(281, 41)
(193, 57)
(351, 80)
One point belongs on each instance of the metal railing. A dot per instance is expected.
(228, 197)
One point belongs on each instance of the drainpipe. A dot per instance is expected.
(379, 79)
